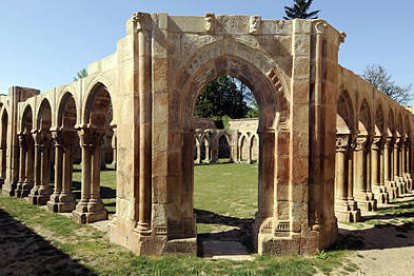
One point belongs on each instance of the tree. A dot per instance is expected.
(81, 74)
(226, 96)
(300, 10)
(382, 80)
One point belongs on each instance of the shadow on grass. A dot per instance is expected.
(392, 228)
(23, 252)
(242, 231)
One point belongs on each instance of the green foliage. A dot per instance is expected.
(300, 9)
(321, 255)
(226, 96)
(81, 74)
(382, 80)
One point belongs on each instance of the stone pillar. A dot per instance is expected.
(207, 158)
(32, 197)
(388, 167)
(62, 200)
(363, 192)
(378, 188)
(114, 148)
(396, 168)
(66, 198)
(407, 165)
(44, 191)
(346, 209)
(29, 167)
(22, 164)
(90, 207)
(2, 162)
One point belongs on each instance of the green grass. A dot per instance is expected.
(224, 190)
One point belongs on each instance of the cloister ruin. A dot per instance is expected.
(313, 168)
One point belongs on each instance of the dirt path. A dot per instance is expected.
(384, 242)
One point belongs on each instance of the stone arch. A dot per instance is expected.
(26, 124)
(364, 119)
(96, 84)
(390, 123)
(213, 61)
(97, 106)
(254, 147)
(380, 126)
(345, 114)
(209, 63)
(67, 112)
(44, 116)
(243, 145)
(224, 146)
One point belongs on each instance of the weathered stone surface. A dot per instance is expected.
(311, 166)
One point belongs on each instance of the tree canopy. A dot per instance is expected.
(226, 96)
(81, 74)
(300, 9)
(378, 76)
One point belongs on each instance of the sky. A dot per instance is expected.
(44, 43)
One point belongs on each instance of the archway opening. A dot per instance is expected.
(3, 145)
(99, 161)
(226, 175)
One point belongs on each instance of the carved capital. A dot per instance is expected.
(141, 20)
(255, 24)
(342, 143)
(377, 143)
(362, 143)
(389, 142)
(320, 27)
(210, 22)
(342, 37)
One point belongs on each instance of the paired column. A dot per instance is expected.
(346, 209)
(363, 191)
(62, 200)
(377, 170)
(408, 163)
(114, 148)
(90, 208)
(389, 167)
(25, 183)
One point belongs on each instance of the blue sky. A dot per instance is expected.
(43, 43)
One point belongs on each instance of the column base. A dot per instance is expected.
(401, 185)
(42, 199)
(346, 210)
(9, 189)
(61, 203)
(380, 192)
(366, 201)
(89, 212)
(409, 180)
(25, 190)
(392, 188)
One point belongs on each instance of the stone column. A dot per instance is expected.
(22, 164)
(388, 167)
(29, 167)
(44, 188)
(66, 198)
(378, 187)
(407, 165)
(53, 203)
(396, 166)
(90, 207)
(346, 209)
(198, 149)
(32, 197)
(363, 193)
(114, 148)
(207, 158)
(2, 162)
(403, 183)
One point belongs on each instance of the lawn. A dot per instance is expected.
(224, 191)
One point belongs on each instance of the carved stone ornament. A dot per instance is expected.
(377, 143)
(210, 22)
(361, 143)
(342, 143)
(255, 24)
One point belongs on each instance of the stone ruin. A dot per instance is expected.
(330, 145)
